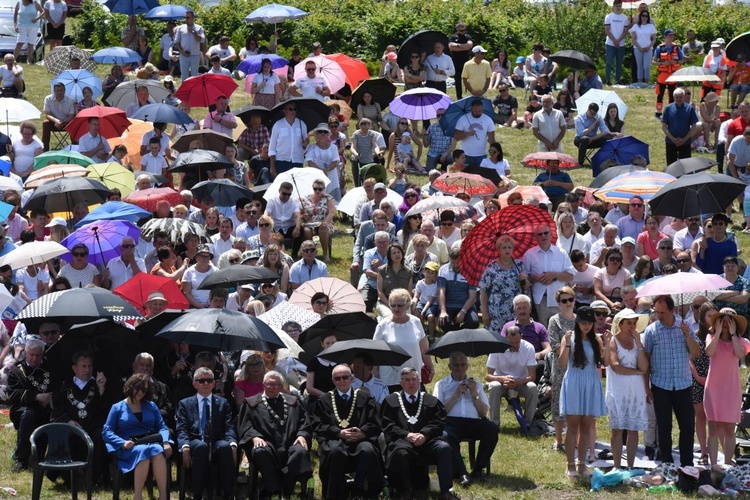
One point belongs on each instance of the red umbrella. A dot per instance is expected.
(355, 70)
(203, 90)
(459, 182)
(518, 221)
(112, 122)
(137, 289)
(147, 198)
(539, 160)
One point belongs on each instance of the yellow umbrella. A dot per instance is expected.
(113, 175)
(53, 172)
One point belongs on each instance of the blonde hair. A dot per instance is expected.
(255, 308)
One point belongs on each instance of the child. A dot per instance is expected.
(459, 161)
(154, 163)
(399, 182)
(406, 154)
(516, 79)
(118, 153)
(542, 87)
(532, 108)
(425, 297)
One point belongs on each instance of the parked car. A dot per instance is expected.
(8, 33)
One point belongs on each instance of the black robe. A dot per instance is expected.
(431, 421)
(25, 383)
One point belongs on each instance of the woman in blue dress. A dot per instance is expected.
(581, 396)
(138, 416)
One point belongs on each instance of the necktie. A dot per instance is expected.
(204, 416)
(412, 399)
(345, 397)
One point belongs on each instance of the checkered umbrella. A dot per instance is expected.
(58, 60)
(518, 221)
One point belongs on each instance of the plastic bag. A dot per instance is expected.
(612, 478)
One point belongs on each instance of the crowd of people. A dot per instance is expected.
(569, 308)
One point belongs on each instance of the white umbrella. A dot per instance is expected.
(302, 182)
(36, 252)
(6, 183)
(351, 199)
(286, 311)
(293, 349)
(329, 69)
(125, 93)
(5, 298)
(603, 98)
(17, 110)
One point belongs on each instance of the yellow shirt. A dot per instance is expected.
(477, 74)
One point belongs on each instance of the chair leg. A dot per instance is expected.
(89, 486)
(73, 484)
(183, 481)
(36, 488)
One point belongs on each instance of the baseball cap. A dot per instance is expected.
(668, 31)
(432, 266)
(520, 59)
(627, 240)
(479, 48)
(250, 254)
(715, 43)
(57, 221)
(379, 185)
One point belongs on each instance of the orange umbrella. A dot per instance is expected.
(525, 192)
(355, 70)
(131, 138)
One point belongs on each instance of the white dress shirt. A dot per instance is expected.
(537, 261)
(464, 407)
(286, 141)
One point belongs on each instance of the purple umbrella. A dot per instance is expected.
(419, 104)
(252, 64)
(102, 238)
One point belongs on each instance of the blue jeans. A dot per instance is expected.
(612, 53)
(643, 62)
(474, 161)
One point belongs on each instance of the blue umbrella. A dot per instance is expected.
(131, 7)
(252, 64)
(75, 80)
(114, 210)
(621, 150)
(162, 113)
(5, 210)
(116, 55)
(458, 109)
(169, 12)
(5, 167)
(275, 13)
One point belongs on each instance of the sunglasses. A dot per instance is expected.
(309, 250)
(339, 378)
(251, 212)
(309, 69)
(80, 254)
(636, 204)
(264, 224)
(682, 261)
(665, 248)
(410, 195)
(615, 259)
(127, 246)
(403, 123)
(397, 305)
(696, 219)
(567, 301)
(285, 194)
(316, 189)
(205, 380)
(446, 224)
(600, 314)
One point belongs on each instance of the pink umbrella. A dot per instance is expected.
(330, 70)
(342, 296)
(525, 192)
(681, 284)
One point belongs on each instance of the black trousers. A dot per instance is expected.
(221, 455)
(471, 319)
(297, 462)
(681, 403)
(584, 143)
(26, 420)
(720, 152)
(459, 65)
(402, 461)
(339, 458)
(457, 429)
(675, 153)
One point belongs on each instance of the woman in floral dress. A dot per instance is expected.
(502, 280)
(317, 211)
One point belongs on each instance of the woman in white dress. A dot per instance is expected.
(626, 389)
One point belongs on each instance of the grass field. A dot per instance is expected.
(521, 468)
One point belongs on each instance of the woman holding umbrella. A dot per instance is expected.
(713, 249)
(369, 109)
(266, 86)
(166, 266)
(503, 279)
(88, 100)
(78, 271)
(406, 331)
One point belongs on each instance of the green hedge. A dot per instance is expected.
(364, 28)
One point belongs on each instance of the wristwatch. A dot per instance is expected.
(476, 397)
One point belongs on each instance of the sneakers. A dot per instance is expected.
(19, 467)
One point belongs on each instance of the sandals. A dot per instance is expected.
(558, 447)
(571, 474)
(704, 459)
(583, 471)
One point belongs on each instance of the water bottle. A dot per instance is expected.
(662, 488)
(386, 489)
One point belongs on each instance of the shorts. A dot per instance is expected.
(741, 87)
(746, 202)
(432, 310)
(27, 35)
(55, 33)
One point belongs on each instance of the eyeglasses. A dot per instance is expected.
(285, 194)
(636, 204)
(80, 254)
(695, 219)
(544, 233)
(415, 57)
(321, 302)
(126, 246)
(264, 224)
(205, 380)
(251, 212)
(682, 261)
(665, 248)
(446, 224)
(567, 301)
(393, 306)
(601, 314)
(615, 259)
(339, 378)
(316, 189)
(309, 250)
(235, 261)
(410, 195)
(403, 123)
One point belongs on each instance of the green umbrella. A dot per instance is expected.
(62, 157)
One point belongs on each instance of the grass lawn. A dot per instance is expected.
(521, 467)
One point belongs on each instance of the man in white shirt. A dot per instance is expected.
(223, 240)
(600, 246)
(285, 213)
(92, 144)
(122, 268)
(59, 109)
(12, 75)
(684, 238)
(466, 407)
(549, 269)
(439, 67)
(221, 119)
(511, 373)
(310, 86)
(188, 39)
(225, 52)
(249, 227)
(288, 141)
(476, 131)
(616, 28)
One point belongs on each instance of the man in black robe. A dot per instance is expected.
(413, 424)
(347, 427)
(274, 431)
(30, 396)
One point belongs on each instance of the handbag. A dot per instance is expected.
(147, 438)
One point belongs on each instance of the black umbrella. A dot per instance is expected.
(696, 194)
(113, 346)
(224, 192)
(62, 194)
(200, 159)
(381, 89)
(212, 141)
(77, 305)
(310, 111)
(156, 179)
(158, 347)
(739, 45)
(238, 275)
(472, 343)
(223, 330)
(689, 166)
(259, 190)
(421, 42)
(572, 59)
(381, 352)
(346, 326)
(610, 173)
(245, 112)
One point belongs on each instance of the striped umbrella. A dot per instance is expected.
(645, 183)
(419, 104)
(177, 228)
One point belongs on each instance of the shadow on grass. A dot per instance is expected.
(510, 483)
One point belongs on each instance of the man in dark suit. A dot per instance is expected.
(413, 424)
(205, 433)
(347, 428)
